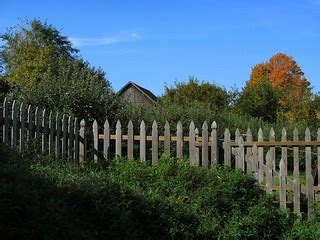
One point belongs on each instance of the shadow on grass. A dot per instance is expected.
(35, 205)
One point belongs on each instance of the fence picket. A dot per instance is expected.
(82, 142)
(30, 123)
(14, 124)
(284, 150)
(106, 139)
(179, 140)
(309, 177)
(227, 148)
(235, 150)
(142, 141)
(118, 139)
(71, 137)
(249, 152)
(37, 123)
(192, 144)
(45, 132)
(241, 154)
(76, 141)
(272, 150)
(296, 177)
(255, 159)
(130, 140)
(167, 139)
(214, 144)
(282, 184)
(64, 136)
(5, 121)
(260, 157)
(51, 136)
(58, 135)
(154, 143)
(205, 145)
(95, 141)
(269, 182)
(22, 127)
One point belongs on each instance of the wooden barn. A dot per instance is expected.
(133, 93)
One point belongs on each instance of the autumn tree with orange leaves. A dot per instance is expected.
(288, 84)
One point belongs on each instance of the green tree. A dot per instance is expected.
(259, 101)
(196, 91)
(29, 49)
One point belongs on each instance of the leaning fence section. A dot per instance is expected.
(269, 161)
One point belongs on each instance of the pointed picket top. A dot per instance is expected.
(118, 125)
(205, 126)
(192, 127)
(227, 134)
(167, 127)
(249, 135)
(106, 124)
(130, 125)
(179, 127)
(272, 134)
(142, 125)
(95, 124)
(284, 134)
(237, 135)
(154, 125)
(196, 131)
(260, 135)
(214, 125)
(82, 122)
(295, 134)
(308, 134)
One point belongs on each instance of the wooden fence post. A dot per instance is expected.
(5, 121)
(82, 145)
(167, 139)
(240, 154)
(22, 126)
(284, 150)
(235, 150)
(130, 140)
(118, 139)
(179, 140)
(14, 124)
(95, 141)
(296, 177)
(154, 143)
(192, 144)
(106, 139)
(142, 141)
(214, 144)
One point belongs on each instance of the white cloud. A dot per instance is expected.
(101, 41)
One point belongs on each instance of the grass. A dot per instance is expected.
(42, 197)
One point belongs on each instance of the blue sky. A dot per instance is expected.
(154, 43)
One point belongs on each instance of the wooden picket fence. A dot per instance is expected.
(260, 159)
(63, 136)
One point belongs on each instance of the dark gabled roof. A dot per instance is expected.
(144, 91)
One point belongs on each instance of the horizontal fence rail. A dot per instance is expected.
(64, 136)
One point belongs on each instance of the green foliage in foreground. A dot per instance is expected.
(42, 197)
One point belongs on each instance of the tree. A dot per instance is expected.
(29, 49)
(259, 100)
(195, 91)
(288, 81)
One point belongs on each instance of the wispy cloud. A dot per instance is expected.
(106, 40)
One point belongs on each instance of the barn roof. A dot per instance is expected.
(144, 91)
